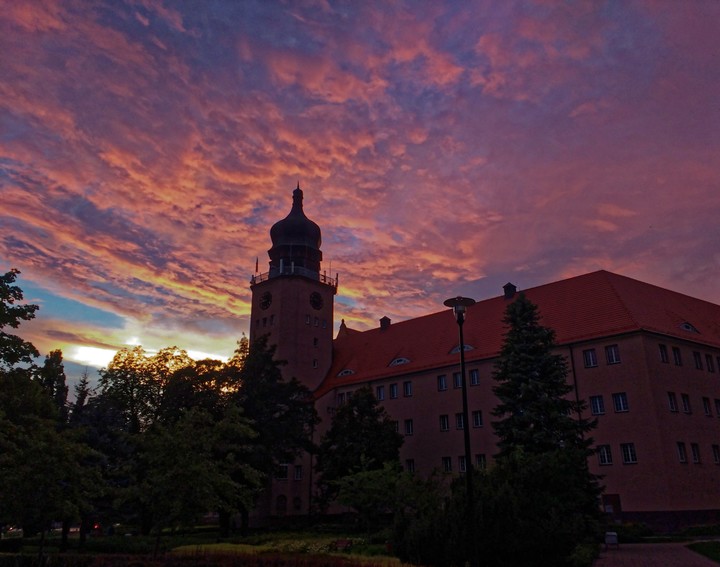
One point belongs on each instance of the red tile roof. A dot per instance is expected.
(582, 308)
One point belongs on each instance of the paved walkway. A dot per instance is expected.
(652, 555)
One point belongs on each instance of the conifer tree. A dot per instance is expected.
(362, 438)
(540, 501)
(536, 414)
(51, 377)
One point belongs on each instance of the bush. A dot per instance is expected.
(633, 532)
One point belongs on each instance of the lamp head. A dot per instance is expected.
(459, 306)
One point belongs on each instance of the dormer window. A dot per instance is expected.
(466, 348)
(398, 361)
(689, 327)
(345, 372)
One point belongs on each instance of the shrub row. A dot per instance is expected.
(181, 560)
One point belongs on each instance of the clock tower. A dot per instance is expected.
(293, 302)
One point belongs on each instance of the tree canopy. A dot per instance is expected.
(13, 349)
(361, 438)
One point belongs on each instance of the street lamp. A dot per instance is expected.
(459, 306)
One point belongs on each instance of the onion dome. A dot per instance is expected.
(295, 242)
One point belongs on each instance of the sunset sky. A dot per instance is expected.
(444, 148)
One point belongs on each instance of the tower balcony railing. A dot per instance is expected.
(295, 271)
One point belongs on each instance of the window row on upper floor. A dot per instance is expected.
(590, 357)
(702, 361)
(621, 404)
(392, 391)
(476, 417)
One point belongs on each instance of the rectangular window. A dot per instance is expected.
(396, 424)
(612, 354)
(408, 427)
(716, 454)
(709, 363)
(620, 402)
(459, 421)
(474, 377)
(672, 401)
(706, 407)
(461, 464)
(442, 383)
(477, 418)
(628, 453)
(457, 380)
(597, 405)
(410, 465)
(717, 407)
(697, 357)
(480, 461)
(695, 450)
(686, 403)
(380, 393)
(447, 464)
(407, 389)
(341, 398)
(677, 356)
(682, 452)
(444, 422)
(590, 358)
(664, 353)
(393, 391)
(298, 474)
(604, 454)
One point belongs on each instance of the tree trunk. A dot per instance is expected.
(64, 538)
(224, 523)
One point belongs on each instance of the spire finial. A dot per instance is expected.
(298, 186)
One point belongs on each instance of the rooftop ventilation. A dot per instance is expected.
(689, 327)
(346, 372)
(509, 290)
(465, 348)
(398, 361)
(385, 322)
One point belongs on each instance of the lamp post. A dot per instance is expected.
(459, 306)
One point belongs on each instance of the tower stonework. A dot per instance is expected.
(293, 302)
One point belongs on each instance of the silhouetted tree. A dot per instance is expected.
(281, 410)
(83, 391)
(193, 465)
(13, 349)
(136, 382)
(51, 376)
(539, 500)
(362, 437)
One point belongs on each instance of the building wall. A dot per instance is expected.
(656, 483)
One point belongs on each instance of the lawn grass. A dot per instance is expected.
(710, 549)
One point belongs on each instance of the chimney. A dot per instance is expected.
(385, 322)
(509, 290)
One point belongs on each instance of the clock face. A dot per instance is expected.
(265, 300)
(316, 300)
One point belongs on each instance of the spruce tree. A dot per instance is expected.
(536, 414)
(540, 501)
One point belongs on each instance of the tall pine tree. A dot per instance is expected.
(536, 414)
(540, 501)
